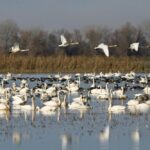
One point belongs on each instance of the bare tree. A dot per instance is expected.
(36, 40)
(9, 33)
(124, 37)
(52, 43)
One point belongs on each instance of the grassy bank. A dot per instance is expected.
(30, 64)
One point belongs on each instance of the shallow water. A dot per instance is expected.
(78, 130)
(75, 130)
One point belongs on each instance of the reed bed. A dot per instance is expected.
(65, 64)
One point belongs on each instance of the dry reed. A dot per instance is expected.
(30, 64)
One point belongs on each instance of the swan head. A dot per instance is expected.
(37, 108)
(112, 46)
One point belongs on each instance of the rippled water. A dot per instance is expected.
(74, 130)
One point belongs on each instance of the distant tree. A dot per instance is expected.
(96, 35)
(124, 37)
(83, 48)
(145, 28)
(141, 37)
(142, 42)
(9, 34)
(77, 36)
(52, 43)
(36, 40)
(93, 36)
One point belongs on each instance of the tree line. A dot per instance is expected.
(45, 43)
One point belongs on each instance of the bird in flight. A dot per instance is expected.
(16, 48)
(65, 43)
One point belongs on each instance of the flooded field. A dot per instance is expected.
(73, 129)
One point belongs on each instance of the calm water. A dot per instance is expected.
(67, 130)
(74, 130)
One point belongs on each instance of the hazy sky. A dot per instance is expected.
(70, 14)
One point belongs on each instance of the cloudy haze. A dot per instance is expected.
(70, 14)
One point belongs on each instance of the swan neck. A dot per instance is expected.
(2, 83)
(110, 100)
(93, 82)
(33, 103)
(79, 81)
(110, 103)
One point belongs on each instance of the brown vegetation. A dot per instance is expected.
(65, 64)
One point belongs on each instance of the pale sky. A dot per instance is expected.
(74, 14)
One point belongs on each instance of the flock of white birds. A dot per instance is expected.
(75, 92)
(64, 44)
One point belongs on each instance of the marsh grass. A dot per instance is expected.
(61, 63)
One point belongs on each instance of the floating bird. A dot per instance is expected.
(79, 104)
(115, 108)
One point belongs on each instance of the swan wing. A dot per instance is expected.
(63, 39)
(99, 46)
(134, 46)
(104, 48)
(15, 48)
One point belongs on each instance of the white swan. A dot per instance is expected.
(64, 103)
(115, 108)
(80, 103)
(119, 93)
(131, 106)
(4, 106)
(129, 76)
(142, 108)
(16, 48)
(73, 87)
(104, 47)
(15, 88)
(51, 91)
(4, 89)
(18, 100)
(65, 43)
(44, 96)
(54, 102)
(93, 84)
(132, 102)
(101, 92)
(135, 46)
(143, 80)
(146, 90)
